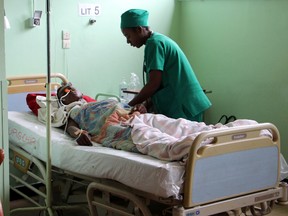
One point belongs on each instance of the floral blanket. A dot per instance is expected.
(116, 131)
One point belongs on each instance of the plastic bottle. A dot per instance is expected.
(134, 82)
(122, 87)
(134, 85)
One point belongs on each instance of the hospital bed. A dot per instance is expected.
(239, 170)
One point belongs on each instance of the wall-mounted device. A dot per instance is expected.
(35, 20)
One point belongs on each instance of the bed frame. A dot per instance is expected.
(212, 184)
(200, 197)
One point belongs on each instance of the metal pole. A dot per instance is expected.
(48, 112)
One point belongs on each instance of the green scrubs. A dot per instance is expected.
(180, 95)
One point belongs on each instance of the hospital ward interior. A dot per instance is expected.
(234, 164)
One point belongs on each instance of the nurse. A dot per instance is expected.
(171, 82)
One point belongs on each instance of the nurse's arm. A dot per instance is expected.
(155, 78)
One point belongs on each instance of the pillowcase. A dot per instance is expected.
(33, 106)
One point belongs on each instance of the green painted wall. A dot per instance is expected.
(99, 57)
(239, 50)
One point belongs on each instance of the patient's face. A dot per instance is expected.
(68, 94)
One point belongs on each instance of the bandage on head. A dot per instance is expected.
(64, 88)
(67, 90)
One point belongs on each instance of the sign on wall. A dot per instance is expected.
(89, 10)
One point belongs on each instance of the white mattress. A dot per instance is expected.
(138, 171)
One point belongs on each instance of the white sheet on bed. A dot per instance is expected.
(135, 170)
(170, 139)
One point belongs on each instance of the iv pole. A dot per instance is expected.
(48, 200)
(48, 114)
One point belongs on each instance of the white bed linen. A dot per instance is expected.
(138, 171)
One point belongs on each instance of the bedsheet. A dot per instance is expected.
(133, 169)
(170, 139)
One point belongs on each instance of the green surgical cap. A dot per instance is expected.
(134, 18)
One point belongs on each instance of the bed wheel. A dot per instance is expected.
(263, 209)
(235, 212)
(284, 199)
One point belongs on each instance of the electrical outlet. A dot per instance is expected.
(65, 35)
(66, 44)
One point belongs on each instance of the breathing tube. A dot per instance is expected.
(65, 90)
(60, 100)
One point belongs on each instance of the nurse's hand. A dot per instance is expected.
(139, 108)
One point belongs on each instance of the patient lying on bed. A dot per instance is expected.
(89, 121)
(107, 122)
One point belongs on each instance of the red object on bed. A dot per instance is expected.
(88, 99)
(1, 156)
(1, 160)
(32, 104)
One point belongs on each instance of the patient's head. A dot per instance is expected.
(67, 94)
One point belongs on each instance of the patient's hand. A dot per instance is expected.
(84, 139)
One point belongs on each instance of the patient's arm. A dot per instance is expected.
(82, 137)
